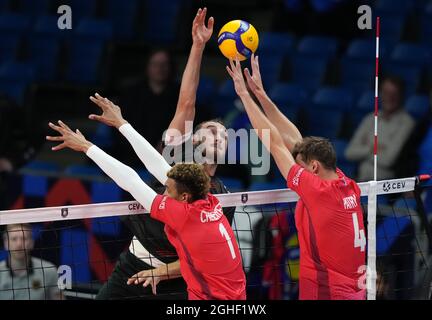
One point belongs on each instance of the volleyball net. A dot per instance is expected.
(74, 248)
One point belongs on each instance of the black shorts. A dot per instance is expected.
(116, 288)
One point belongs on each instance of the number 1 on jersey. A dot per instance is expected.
(225, 234)
(359, 235)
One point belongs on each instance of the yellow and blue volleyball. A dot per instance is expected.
(238, 38)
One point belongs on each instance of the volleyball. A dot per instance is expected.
(238, 38)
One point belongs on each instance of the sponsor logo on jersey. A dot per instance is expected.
(209, 216)
(350, 202)
(162, 204)
(296, 178)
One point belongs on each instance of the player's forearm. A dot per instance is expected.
(172, 270)
(123, 176)
(153, 160)
(260, 123)
(282, 156)
(190, 79)
(289, 132)
(187, 97)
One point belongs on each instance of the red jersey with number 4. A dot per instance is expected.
(329, 220)
(210, 260)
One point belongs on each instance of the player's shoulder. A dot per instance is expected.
(210, 203)
(212, 200)
(347, 181)
(299, 175)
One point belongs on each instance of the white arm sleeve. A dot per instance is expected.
(153, 160)
(124, 176)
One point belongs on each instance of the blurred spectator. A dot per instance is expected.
(394, 128)
(148, 102)
(23, 277)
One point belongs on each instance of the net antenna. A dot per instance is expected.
(372, 196)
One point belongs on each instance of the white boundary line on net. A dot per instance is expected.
(99, 210)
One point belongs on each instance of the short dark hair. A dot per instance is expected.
(190, 178)
(316, 148)
(201, 124)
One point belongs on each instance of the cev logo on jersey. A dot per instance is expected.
(297, 177)
(350, 202)
(214, 215)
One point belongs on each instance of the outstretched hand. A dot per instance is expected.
(111, 113)
(73, 140)
(147, 277)
(234, 70)
(201, 33)
(254, 81)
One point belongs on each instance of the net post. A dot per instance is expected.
(371, 246)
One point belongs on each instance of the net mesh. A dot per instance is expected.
(73, 257)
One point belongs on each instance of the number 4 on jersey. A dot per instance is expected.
(359, 235)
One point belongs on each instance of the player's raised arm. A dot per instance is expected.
(186, 103)
(289, 132)
(112, 116)
(275, 146)
(124, 176)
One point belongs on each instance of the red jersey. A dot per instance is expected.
(210, 260)
(329, 221)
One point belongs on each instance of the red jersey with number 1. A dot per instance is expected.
(329, 220)
(210, 260)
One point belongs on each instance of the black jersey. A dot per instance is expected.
(150, 232)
